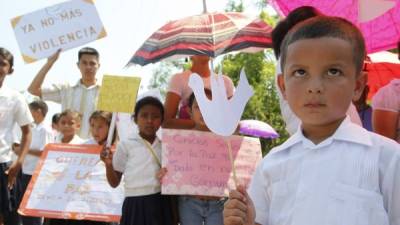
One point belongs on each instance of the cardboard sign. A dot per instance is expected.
(70, 183)
(198, 162)
(118, 93)
(66, 25)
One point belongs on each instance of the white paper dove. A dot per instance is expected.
(221, 114)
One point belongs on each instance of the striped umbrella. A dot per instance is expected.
(209, 34)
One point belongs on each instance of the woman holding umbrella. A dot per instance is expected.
(176, 101)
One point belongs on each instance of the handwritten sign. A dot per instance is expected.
(198, 162)
(118, 93)
(70, 183)
(66, 25)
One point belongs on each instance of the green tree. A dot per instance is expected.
(260, 71)
(163, 73)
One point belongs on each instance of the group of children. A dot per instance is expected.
(330, 171)
(138, 158)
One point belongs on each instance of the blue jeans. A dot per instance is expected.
(193, 211)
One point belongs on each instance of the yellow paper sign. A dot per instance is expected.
(118, 93)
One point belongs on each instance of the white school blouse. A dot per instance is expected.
(351, 178)
(42, 134)
(13, 110)
(133, 159)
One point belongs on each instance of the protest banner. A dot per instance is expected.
(198, 162)
(70, 183)
(62, 26)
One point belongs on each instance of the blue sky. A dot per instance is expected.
(128, 23)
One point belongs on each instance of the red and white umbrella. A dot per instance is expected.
(382, 68)
(210, 34)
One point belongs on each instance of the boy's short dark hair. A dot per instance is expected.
(88, 51)
(325, 26)
(55, 118)
(294, 17)
(39, 104)
(149, 100)
(7, 55)
(74, 114)
(207, 91)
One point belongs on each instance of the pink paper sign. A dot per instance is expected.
(198, 162)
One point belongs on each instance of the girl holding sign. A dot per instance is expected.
(138, 159)
(99, 124)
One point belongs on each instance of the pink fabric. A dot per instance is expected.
(380, 33)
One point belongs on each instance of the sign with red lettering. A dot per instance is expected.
(198, 162)
(66, 25)
(70, 183)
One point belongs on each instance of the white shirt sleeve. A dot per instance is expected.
(176, 84)
(258, 194)
(46, 138)
(52, 93)
(21, 112)
(120, 158)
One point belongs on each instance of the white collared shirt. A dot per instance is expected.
(77, 97)
(133, 159)
(41, 135)
(13, 110)
(351, 178)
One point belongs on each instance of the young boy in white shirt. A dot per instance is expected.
(330, 171)
(13, 110)
(41, 135)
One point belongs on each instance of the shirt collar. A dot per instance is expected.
(137, 137)
(79, 84)
(346, 132)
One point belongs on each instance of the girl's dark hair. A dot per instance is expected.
(99, 114)
(192, 97)
(7, 56)
(294, 17)
(106, 116)
(149, 100)
(55, 118)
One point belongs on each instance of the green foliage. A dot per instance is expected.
(163, 73)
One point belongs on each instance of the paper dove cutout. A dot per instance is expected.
(220, 114)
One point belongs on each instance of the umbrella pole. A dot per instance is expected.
(204, 6)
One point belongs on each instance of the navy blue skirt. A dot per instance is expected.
(9, 199)
(152, 209)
